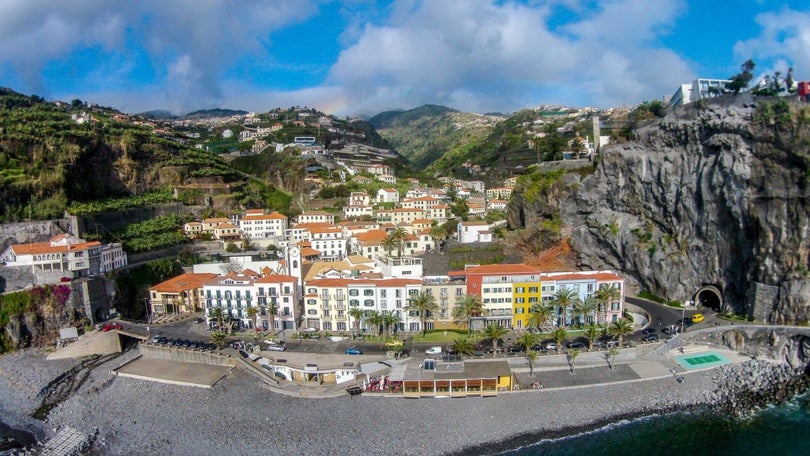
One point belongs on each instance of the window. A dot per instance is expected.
(383, 293)
(519, 310)
(354, 302)
(520, 289)
(312, 312)
(368, 292)
(368, 303)
(354, 292)
(532, 289)
(312, 302)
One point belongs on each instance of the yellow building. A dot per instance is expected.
(525, 295)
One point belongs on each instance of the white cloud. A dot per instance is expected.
(783, 42)
(482, 54)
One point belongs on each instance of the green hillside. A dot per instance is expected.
(430, 133)
(82, 158)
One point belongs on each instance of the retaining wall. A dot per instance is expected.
(185, 355)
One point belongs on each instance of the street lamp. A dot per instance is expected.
(146, 308)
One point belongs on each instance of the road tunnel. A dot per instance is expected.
(711, 297)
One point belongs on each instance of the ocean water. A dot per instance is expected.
(782, 431)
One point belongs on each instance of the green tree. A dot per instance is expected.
(583, 311)
(592, 332)
(559, 335)
(527, 340)
(563, 299)
(610, 356)
(620, 328)
(438, 233)
(494, 332)
(539, 316)
(467, 308)
(357, 314)
(251, 313)
(389, 243)
(219, 338)
(217, 314)
(572, 356)
(375, 319)
(272, 310)
(605, 296)
(390, 320)
(531, 356)
(425, 304)
(741, 80)
(463, 345)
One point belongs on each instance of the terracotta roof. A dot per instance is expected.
(38, 248)
(371, 235)
(308, 251)
(492, 269)
(183, 282)
(273, 216)
(276, 278)
(378, 282)
(225, 226)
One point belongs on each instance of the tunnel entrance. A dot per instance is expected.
(711, 297)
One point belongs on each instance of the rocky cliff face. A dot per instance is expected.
(711, 195)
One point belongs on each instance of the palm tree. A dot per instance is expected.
(539, 316)
(272, 309)
(592, 332)
(494, 332)
(438, 233)
(390, 320)
(531, 355)
(217, 313)
(527, 340)
(357, 314)
(424, 303)
(465, 309)
(563, 299)
(572, 356)
(400, 235)
(620, 328)
(463, 345)
(559, 334)
(389, 243)
(375, 319)
(605, 296)
(218, 338)
(252, 312)
(585, 309)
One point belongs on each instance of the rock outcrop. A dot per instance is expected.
(714, 194)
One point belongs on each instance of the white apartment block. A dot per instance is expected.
(356, 211)
(330, 242)
(235, 293)
(359, 199)
(407, 267)
(264, 226)
(66, 256)
(316, 217)
(328, 301)
(397, 216)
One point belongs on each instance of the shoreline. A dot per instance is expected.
(240, 416)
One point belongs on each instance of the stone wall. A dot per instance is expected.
(37, 231)
(186, 355)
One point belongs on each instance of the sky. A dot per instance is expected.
(362, 57)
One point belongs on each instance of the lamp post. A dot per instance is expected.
(146, 308)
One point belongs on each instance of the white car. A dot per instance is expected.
(278, 348)
(434, 351)
(309, 330)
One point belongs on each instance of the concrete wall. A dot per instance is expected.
(715, 335)
(186, 355)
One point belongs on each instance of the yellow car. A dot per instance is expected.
(697, 318)
(393, 343)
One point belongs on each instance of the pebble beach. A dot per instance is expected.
(241, 416)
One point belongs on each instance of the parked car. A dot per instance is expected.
(551, 346)
(647, 331)
(671, 330)
(111, 326)
(497, 350)
(612, 344)
(514, 349)
(278, 348)
(156, 339)
(452, 351)
(686, 322)
(577, 345)
(697, 318)
(651, 338)
(537, 347)
(354, 351)
(307, 330)
(211, 346)
(393, 343)
(434, 351)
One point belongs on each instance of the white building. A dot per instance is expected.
(235, 293)
(65, 255)
(698, 89)
(263, 226)
(387, 195)
(316, 217)
(473, 231)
